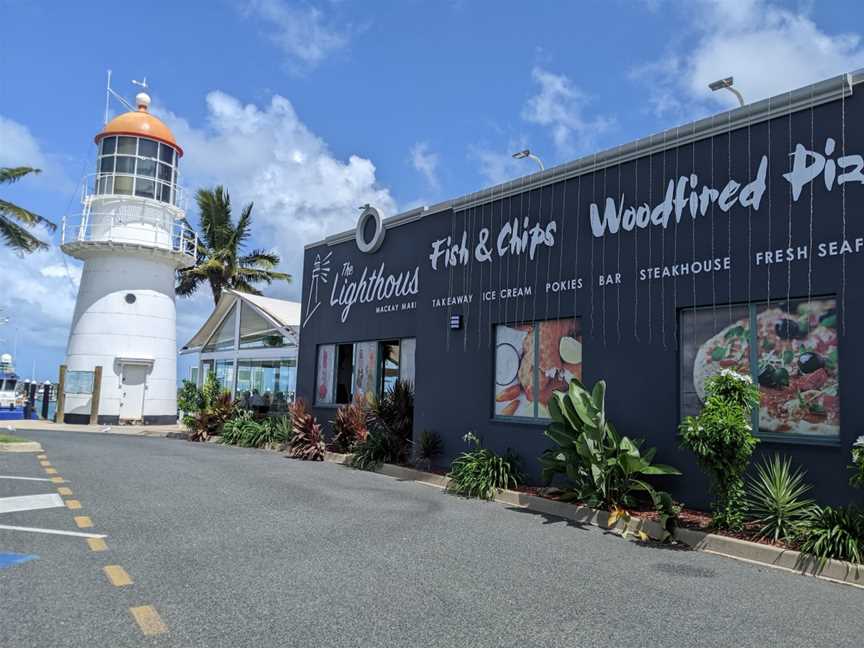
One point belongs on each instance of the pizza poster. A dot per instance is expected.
(788, 348)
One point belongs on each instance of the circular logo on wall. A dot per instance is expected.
(372, 245)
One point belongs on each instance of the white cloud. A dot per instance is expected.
(426, 163)
(18, 147)
(560, 106)
(767, 48)
(300, 32)
(267, 155)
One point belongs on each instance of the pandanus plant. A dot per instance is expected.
(603, 468)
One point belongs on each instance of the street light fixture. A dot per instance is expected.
(726, 84)
(528, 154)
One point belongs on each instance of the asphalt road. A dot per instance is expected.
(241, 548)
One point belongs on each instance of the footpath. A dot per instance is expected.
(130, 430)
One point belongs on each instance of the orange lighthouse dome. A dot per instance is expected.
(140, 123)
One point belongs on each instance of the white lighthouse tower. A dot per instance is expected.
(132, 238)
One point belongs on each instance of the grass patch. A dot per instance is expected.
(8, 438)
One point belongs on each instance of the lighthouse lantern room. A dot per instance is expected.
(132, 237)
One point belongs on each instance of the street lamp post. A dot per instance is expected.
(726, 84)
(519, 155)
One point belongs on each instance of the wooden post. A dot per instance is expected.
(97, 392)
(61, 396)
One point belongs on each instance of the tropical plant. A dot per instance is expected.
(349, 425)
(189, 397)
(17, 237)
(220, 260)
(603, 468)
(395, 411)
(775, 499)
(479, 472)
(307, 440)
(209, 408)
(722, 439)
(428, 447)
(858, 463)
(233, 429)
(380, 446)
(243, 430)
(834, 533)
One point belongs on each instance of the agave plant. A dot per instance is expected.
(776, 499)
(604, 468)
(307, 441)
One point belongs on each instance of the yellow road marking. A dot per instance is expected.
(57, 480)
(148, 620)
(45, 464)
(73, 504)
(83, 521)
(63, 490)
(51, 471)
(42, 456)
(97, 544)
(117, 575)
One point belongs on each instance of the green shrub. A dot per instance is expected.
(307, 441)
(233, 429)
(395, 412)
(479, 472)
(722, 439)
(189, 398)
(428, 447)
(380, 446)
(834, 533)
(603, 469)
(858, 463)
(776, 501)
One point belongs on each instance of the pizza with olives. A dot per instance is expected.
(797, 369)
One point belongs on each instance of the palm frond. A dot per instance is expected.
(14, 174)
(24, 215)
(264, 259)
(19, 238)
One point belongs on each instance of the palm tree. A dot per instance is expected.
(220, 245)
(16, 236)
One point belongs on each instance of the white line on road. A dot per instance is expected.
(77, 534)
(30, 502)
(25, 478)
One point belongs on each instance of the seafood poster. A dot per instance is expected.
(531, 362)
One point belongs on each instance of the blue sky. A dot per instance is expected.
(313, 108)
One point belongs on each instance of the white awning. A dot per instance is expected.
(283, 314)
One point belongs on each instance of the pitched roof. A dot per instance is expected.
(282, 313)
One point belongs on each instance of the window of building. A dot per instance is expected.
(257, 332)
(223, 337)
(224, 370)
(789, 348)
(266, 386)
(532, 361)
(363, 368)
(123, 159)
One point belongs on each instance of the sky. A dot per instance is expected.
(311, 109)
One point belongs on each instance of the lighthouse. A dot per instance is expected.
(132, 237)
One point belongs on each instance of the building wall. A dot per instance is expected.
(630, 329)
(105, 327)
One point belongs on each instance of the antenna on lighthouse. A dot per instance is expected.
(110, 92)
(143, 83)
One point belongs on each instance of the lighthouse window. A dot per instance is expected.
(108, 145)
(147, 148)
(166, 154)
(147, 168)
(164, 192)
(123, 185)
(106, 164)
(165, 172)
(145, 188)
(130, 298)
(125, 164)
(127, 145)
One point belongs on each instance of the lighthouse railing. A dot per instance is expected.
(124, 229)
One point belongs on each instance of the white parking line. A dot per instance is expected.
(77, 534)
(30, 502)
(25, 478)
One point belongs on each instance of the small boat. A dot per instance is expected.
(11, 404)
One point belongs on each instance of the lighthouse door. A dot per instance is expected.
(132, 394)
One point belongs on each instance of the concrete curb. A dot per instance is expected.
(27, 446)
(753, 552)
